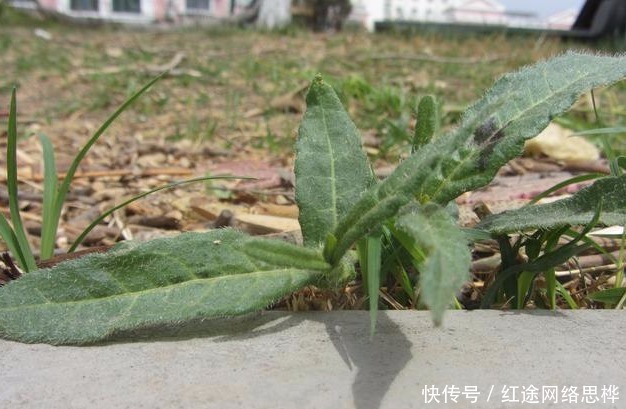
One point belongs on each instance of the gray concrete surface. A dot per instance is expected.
(327, 360)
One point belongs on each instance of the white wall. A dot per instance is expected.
(105, 11)
(367, 12)
(420, 10)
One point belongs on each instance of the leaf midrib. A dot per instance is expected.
(331, 151)
(136, 294)
(444, 182)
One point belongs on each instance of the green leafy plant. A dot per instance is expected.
(385, 109)
(544, 226)
(224, 272)
(600, 294)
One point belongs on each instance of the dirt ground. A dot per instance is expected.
(230, 106)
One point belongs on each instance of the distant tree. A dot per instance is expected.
(273, 13)
(329, 14)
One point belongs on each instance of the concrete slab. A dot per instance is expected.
(327, 360)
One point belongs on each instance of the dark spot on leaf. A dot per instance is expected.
(485, 131)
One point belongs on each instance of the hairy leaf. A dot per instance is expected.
(577, 209)
(427, 122)
(447, 258)
(331, 168)
(492, 132)
(164, 281)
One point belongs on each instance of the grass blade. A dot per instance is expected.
(373, 254)
(50, 185)
(524, 285)
(602, 131)
(544, 263)
(559, 186)
(100, 218)
(24, 252)
(8, 235)
(563, 292)
(65, 185)
(551, 287)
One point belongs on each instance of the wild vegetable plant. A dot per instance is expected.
(197, 276)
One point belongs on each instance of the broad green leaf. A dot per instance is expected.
(165, 281)
(577, 209)
(492, 132)
(446, 264)
(331, 168)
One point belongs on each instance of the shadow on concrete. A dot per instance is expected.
(377, 360)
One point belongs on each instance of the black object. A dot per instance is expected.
(598, 19)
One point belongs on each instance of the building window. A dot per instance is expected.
(198, 4)
(84, 5)
(127, 6)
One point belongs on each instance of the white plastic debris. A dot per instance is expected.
(41, 33)
(611, 231)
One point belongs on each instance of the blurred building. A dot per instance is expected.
(563, 20)
(476, 12)
(483, 12)
(140, 11)
(364, 12)
(440, 11)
